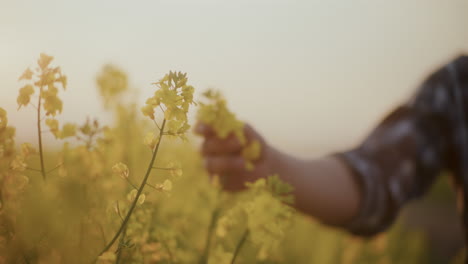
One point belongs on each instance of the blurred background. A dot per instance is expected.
(312, 76)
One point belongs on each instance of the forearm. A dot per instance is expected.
(364, 188)
(324, 188)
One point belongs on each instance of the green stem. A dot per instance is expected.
(214, 218)
(102, 233)
(140, 190)
(206, 251)
(39, 134)
(120, 249)
(239, 245)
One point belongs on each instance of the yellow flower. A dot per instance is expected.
(142, 198)
(167, 185)
(174, 97)
(217, 115)
(3, 118)
(224, 123)
(53, 125)
(148, 110)
(63, 80)
(151, 140)
(121, 169)
(68, 130)
(168, 97)
(27, 149)
(187, 93)
(132, 195)
(18, 164)
(27, 75)
(177, 172)
(111, 82)
(44, 61)
(173, 126)
(24, 96)
(207, 113)
(153, 101)
(251, 153)
(52, 105)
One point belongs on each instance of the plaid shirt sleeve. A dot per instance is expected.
(403, 155)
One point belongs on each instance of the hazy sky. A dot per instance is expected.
(312, 76)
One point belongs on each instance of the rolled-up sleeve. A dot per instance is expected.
(403, 155)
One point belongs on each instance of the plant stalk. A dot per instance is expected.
(39, 134)
(206, 251)
(239, 245)
(120, 249)
(214, 219)
(140, 190)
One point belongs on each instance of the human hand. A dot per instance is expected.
(223, 157)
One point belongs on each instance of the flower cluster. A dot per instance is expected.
(111, 83)
(145, 209)
(216, 114)
(173, 97)
(263, 212)
(44, 78)
(151, 140)
(68, 129)
(224, 122)
(3, 118)
(7, 142)
(19, 163)
(121, 170)
(267, 216)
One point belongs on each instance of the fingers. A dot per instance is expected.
(217, 146)
(224, 164)
(223, 157)
(231, 146)
(251, 134)
(204, 130)
(207, 131)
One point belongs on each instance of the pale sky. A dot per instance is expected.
(313, 76)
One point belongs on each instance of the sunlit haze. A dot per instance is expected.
(312, 76)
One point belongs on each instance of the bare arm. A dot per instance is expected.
(363, 189)
(323, 188)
